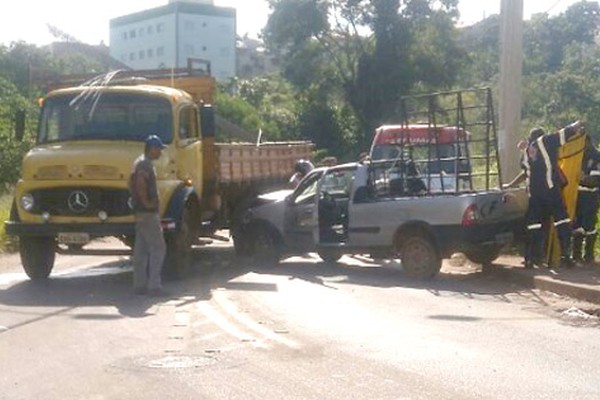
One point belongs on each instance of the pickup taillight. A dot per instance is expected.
(470, 216)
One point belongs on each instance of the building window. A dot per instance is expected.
(124, 35)
(150, 29)
(160, 51)
(204, 48)
(159, 27)
(141, 54)
(131, 56)
(132, 34)
(204, 24)
(150, 53)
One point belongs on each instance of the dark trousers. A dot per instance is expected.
(584, 227)
(542, 206)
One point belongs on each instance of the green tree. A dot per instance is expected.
(373, 51)
(12, 151)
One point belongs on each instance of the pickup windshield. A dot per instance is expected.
(106, 116)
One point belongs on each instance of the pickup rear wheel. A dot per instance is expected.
(420, 258)
(37, 256)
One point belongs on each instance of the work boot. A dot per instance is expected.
(590, 243)
(577, 247)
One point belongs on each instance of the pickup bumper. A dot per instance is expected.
(93, 229)
(451, 239)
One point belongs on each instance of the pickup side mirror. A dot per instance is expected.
(19, 125)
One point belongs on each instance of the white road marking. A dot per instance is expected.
(231, 310)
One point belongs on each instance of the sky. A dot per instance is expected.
(88, 21)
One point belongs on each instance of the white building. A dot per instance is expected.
(167, 36)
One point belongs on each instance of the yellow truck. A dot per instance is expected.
(74, 184)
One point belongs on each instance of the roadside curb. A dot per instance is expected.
(580, 283)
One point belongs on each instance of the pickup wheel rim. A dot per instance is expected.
(419, 257)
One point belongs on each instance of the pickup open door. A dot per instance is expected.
(301, 216)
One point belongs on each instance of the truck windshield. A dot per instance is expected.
(109, 116)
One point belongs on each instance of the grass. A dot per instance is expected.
(7, 244)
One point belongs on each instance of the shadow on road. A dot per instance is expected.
(109, 284)
(457, 280)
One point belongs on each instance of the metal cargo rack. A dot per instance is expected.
(467, 163)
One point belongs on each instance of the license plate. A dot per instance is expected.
(73, 238)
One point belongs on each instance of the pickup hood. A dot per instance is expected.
(89, 160)
(269, 207)
(278, 195)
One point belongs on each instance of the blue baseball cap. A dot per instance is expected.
(154, 141)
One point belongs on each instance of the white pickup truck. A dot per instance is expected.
(351, 209)
(426, 192)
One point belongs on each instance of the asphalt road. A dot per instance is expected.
(304, 330)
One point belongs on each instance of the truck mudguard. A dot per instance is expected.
(178, 200)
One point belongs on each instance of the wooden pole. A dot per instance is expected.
(511, 70)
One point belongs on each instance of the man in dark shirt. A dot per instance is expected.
(149, 249)
(588, 201)
(545, 184)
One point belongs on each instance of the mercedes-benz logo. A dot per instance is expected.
(78, 201)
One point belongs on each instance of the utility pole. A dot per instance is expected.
(511, 70)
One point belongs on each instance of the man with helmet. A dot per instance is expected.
(546, 181)
(301, 169)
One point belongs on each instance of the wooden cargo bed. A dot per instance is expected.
(271, 161)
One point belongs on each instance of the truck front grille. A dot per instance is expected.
(82, 201)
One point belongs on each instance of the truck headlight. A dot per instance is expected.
(27, 202)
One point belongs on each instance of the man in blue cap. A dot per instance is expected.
(150, 248)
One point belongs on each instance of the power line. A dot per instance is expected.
(557, 2)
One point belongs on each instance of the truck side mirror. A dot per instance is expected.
(207, 121)
(19, 125)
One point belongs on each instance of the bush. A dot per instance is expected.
(7, 243)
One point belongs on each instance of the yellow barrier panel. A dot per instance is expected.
(570, 157)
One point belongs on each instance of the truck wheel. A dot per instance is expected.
(266, 249)
(329, 256)
(37, 256)
(420, 258)
(179, 246)
(242, 242)
(484, 255)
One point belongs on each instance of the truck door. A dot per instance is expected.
(301, 214)
(189, 157)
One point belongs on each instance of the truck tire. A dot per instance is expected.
(242, 242)
(266, 248)
(329, 256)
(484, 255)
(179, 246)
(37, 256)
(420, 258)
